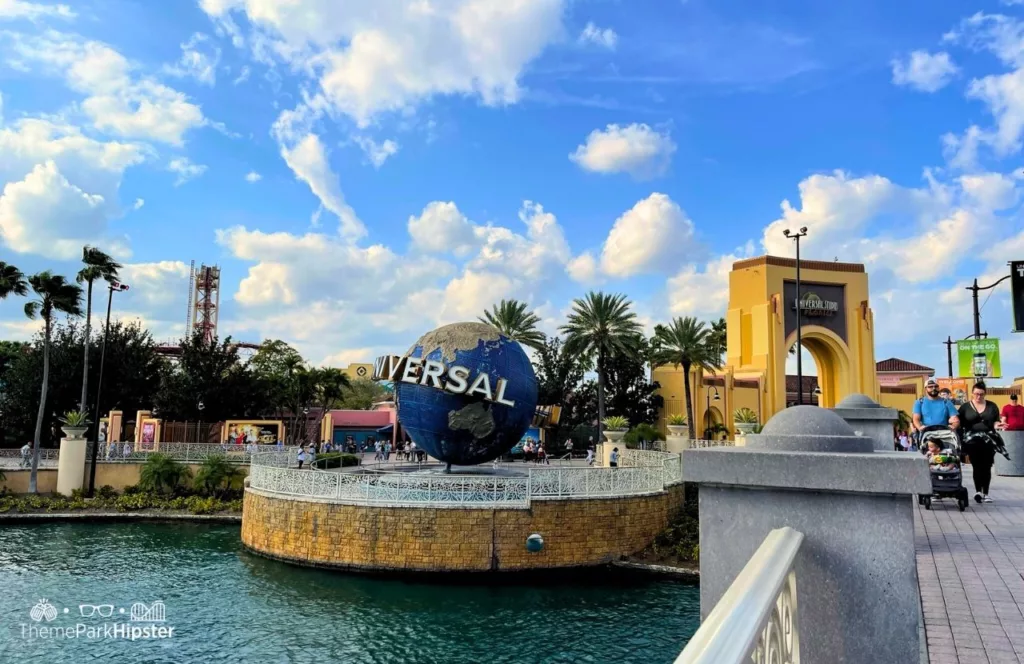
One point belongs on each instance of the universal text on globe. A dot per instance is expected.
(454, 379)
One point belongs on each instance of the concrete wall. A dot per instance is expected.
(575, 532)
(117, 475)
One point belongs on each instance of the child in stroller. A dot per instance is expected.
(942, 447)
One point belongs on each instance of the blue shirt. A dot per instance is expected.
(934, 412)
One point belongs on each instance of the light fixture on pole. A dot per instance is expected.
(707, 410)
(200, 406)
(817, 395)
(112, 287)
(799, 345)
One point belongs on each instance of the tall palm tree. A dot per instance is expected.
(98, 265)
(600, 327)
(686, 343)
(515, 321)
(56, 294)
(12, 281)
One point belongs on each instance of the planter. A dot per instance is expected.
(614, 436)
(71, 462)
(677, 429)
(745, 427)
(74, 433)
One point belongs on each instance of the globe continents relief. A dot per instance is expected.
(466, 429)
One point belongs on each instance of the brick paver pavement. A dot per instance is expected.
(971, 570)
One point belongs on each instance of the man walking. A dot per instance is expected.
(1013, 415)
(932, 410)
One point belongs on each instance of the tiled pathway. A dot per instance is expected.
(971, 570)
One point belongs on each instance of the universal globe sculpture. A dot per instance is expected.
(466, 394)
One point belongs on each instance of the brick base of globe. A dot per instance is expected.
(577, 533)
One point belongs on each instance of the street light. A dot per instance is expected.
(112, 287)
(199, 430)
(799, 339)
(707, 410)
(974, 296)
(817, 394)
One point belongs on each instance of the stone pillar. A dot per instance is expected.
(869, 418)
(1014, 441)
(856, 572)
(71, 462)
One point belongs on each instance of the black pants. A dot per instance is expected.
(982, 456)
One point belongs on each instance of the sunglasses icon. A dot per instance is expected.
(104, 610)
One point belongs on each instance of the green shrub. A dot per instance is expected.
(616, 423)
(677, 420)
(135, 501)
(107, 491)
(132, 489)
(744, 416)
(642, 433)
(335, 460)
(162, 474)
(216, 476)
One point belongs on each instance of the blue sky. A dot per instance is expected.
(364, 173)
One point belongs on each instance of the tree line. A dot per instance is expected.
(603, 335)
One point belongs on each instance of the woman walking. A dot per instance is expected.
(980, 416)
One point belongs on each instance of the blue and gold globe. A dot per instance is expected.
(472, 395)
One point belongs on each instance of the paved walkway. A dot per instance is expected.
(971, 570)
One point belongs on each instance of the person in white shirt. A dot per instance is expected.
(26, 450)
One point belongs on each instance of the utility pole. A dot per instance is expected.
(948, 343)
(799, 323)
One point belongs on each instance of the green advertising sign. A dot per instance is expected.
(978, 358)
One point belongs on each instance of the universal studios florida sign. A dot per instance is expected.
(454, 379)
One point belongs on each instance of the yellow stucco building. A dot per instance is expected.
(837, 326)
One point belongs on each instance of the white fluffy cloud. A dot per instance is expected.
(649, 237)
(22, 9)
(605, 37)
(47, 215)
(376, 152)
(636, 149)
(392, 54)
(308, 160)
(116, 99)
(924, 71)
(442, 228)
(703, 293)
(199, 59)
(584, 269)
(185, 170)
(60, 187)
(253, 176)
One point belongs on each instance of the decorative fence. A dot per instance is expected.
(182, 452)
(13, 459)
(756, 619)
(641, 472)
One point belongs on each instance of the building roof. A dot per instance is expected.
(371, 419)
(896, 365)
(810, 382)
(828, 266)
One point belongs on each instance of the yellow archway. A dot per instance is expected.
(832, 358)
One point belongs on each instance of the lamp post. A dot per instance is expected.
(974, 296)
(112, 287)
(817, 395)
(799, 345)
(200, 406)
(707, 410)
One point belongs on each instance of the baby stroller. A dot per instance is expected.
(944, 467)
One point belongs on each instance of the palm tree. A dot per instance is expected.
(12, 281)
(600, 327)
(98, 265)
(686, 343)
(513, 319)
(56, 294)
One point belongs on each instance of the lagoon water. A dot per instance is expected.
(227, 605)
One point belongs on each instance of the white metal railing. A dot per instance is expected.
(756, 619)
(13, 459)
(183, 452)
(701, 444)
(641, 473)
